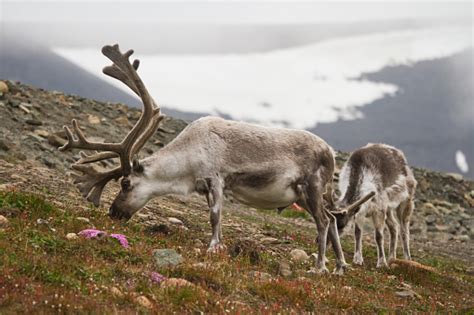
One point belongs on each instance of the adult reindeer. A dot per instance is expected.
(259, 166)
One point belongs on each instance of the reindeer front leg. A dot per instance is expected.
(333, 235)
(312, 198)
(213, 190)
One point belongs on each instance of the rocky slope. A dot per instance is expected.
(31, 129)
(30, 132)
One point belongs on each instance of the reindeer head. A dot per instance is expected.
(345, 213)
(90, 181)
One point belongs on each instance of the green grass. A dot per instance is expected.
(40, 270)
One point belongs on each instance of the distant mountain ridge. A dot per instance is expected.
(430, 118)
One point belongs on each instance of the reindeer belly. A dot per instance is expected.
(270, 198)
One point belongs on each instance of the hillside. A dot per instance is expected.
(44, 268)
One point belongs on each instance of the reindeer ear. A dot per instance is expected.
(137, 167)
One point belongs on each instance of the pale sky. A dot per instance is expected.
(261, 11)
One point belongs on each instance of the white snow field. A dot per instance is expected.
(297, 87)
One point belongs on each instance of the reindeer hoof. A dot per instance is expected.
(382, 264)
(358, 261)
(322, 270)
(217, 248)
(340, 269)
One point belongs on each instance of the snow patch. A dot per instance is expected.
(461, 161)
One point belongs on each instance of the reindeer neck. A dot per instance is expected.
(167, 173)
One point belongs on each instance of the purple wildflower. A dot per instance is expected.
(92, 233)
(122, 239)
(156, 277)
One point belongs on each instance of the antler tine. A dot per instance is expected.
(92, 182)
(98, 156)
(82, 143)
(116, 73)
(150, 131)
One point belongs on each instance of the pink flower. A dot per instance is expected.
(122, 239)
(156, 277)
(92, 233)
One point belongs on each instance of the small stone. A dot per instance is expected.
(430, 219)
(284, 269)
(3, 221)
(48, 162)
(93, 120)
(406, 293)
(116, 292)
(34, 122)
(24, 108)
(269, 240)
(144, 302)
(6, 145)
(429, 208)
(83, 219)
(56, 141)
(175, 283)
(456, 176)
(42, 221)
(175, 221)
(3, 87)
(122, 120)
(14, 103)
(167, 257)
(461, 238)
(441, 228)
(158, 228)
(197, 250)
(299, 255)
(72, 236)
(42, 133)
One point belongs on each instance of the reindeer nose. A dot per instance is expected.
(114, 213)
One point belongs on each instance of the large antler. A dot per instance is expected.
(92, 182)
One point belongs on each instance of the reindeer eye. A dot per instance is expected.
(125, 184)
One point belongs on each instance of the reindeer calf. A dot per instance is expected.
(382, 169)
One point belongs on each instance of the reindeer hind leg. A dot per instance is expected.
(404, 212)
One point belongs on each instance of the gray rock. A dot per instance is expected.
(175, 221)
(299, 255)
(3, 87)
(3, 221)
(269, 240)
(461, 238)
(56, 141)
(456, 176)
(48, 162)
(6, 145)
(14, 103)
(83, 219)
(284, 269)
(167, 257)
(406, 293)
(430, 219)
(34, 122)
